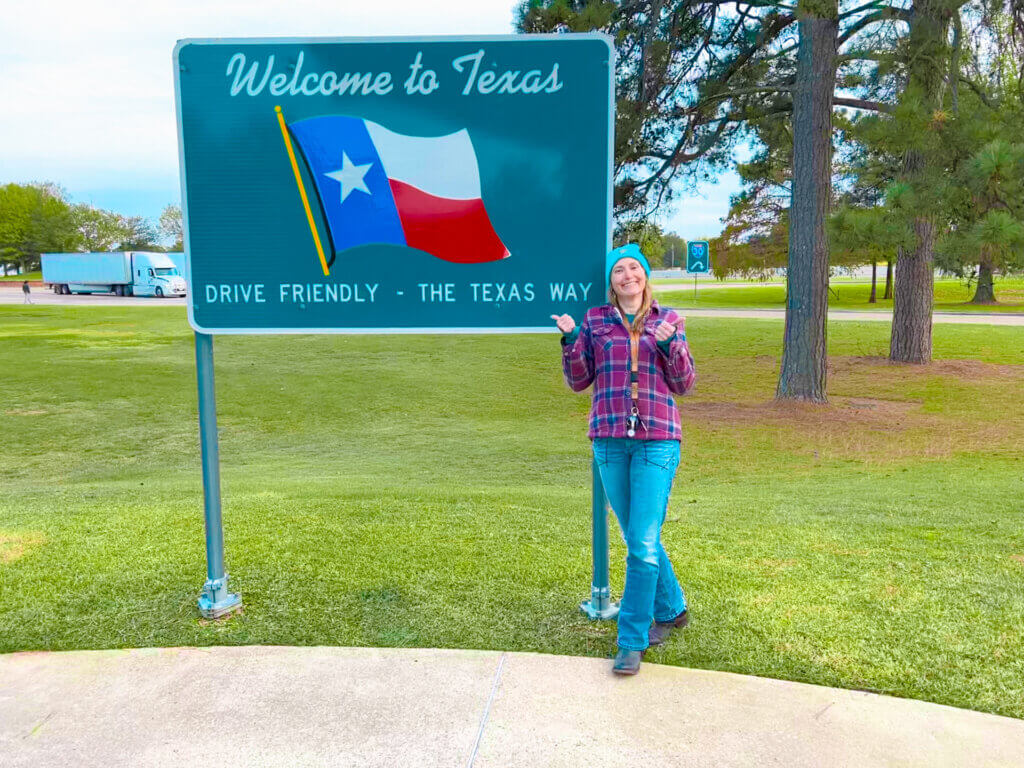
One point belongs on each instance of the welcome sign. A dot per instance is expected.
(395, 185)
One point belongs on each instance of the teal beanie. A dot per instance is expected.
(628, 251)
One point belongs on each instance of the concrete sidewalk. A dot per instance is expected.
(278, 706)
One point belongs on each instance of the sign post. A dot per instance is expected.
(600, 605)
(391, 185)
(215, 600)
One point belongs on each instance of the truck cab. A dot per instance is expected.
(154, 274)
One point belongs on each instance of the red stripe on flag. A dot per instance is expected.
(453, 230)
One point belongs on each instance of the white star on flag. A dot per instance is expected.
(350, 176)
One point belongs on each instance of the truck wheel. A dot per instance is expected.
(159, 292)
(65, 290)
(56, 289)
(119, 290)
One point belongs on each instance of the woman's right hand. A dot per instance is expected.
(565, 323)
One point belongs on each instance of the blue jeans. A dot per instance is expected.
(637, 477)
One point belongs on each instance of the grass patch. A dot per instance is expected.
(14, 545)
(434, 491)
(37, 275)
(950, 296)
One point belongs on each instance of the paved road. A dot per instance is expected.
(13, 296)
(705, 284)
(712, 282)
(280, 706)
(965, 318)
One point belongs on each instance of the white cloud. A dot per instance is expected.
(701, 216)
(87, 88)
(88, 95)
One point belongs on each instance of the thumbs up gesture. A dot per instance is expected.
(664, 331)
(565, 323)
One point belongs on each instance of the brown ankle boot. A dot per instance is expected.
(660, 630)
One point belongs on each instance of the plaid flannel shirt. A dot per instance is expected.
(600, 355)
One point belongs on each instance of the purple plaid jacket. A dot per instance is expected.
(600, 355)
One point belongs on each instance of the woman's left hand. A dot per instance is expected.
(664, 331)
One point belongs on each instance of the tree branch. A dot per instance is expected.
(864, 55)
(978, 90)
(861, 8)
(780, 88)
(778, 24)
(871, 106)
(886, 14)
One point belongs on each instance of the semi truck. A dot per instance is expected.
(125, 273)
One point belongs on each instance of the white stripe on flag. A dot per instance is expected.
(444, 166)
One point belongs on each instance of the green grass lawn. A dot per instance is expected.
(37, 275)
(434, 492)
(950, 296)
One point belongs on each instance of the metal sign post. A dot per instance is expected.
(391, 185)
(600, 605)
(215, 600)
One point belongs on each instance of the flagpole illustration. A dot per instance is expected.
(302, 190)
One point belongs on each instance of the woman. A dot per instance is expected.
(636, 356)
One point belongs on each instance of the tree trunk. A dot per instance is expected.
(804, 362)
(913, 295)
(985, 292)
(888, 280)
(913, 291)
(874, 282)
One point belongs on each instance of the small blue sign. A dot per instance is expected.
(698, 257)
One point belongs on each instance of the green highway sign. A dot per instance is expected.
(698, 257)
(395, 184)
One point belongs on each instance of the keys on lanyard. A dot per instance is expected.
(633, 421)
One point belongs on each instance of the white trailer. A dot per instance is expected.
(125, 273)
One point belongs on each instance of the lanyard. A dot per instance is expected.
(634, 354)
(634, 384)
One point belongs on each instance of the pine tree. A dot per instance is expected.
(804, 357)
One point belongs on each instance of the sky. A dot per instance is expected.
(88, 94)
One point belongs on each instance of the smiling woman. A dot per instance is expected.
(636, 356)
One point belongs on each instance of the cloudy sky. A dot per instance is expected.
(88, 98)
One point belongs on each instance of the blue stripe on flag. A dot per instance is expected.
(362, 217)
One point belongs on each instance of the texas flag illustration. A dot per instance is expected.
(378, 186)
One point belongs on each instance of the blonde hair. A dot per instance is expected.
(642, 313)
